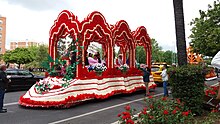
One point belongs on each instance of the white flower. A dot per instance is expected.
(99, 67)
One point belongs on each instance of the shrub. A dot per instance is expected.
(187, 83)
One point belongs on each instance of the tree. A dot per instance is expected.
(157, 53)
(180, 32)
(206, 32)
(140, 54)
(18, 56)
(169, 57)
(40, 54)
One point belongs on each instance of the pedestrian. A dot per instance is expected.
(3, 86)
(146, 77)
(164, 76)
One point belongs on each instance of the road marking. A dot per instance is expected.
(96, 111)
(12, 103)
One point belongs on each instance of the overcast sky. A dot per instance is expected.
(32, 19)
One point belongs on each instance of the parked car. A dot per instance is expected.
(21, 79)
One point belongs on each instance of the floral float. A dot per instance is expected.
(195, 58)
(67, 90)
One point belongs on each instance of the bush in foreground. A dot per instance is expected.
(187, 83)
(157, 111)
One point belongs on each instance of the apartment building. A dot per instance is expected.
(2, 34)
(22, 44)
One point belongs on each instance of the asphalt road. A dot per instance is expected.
(93, 112)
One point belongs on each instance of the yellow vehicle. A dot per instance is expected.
(156, 70)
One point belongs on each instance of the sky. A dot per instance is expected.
(32, 19)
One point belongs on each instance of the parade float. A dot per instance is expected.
(58, 91)
(195, 58)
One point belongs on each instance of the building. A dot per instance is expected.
(2, 34)
(22, 44)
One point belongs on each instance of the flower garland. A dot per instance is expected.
(42, 86)
(56, 67)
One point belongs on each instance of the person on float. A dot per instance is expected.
(164, 76)
(98, 57)
(3, 86)
(119, 61)
(92, 62)
(146, 77)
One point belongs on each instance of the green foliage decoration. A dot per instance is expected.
(70, 69)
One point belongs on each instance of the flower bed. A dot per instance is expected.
(157, 111)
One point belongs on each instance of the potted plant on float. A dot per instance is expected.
(124, 68)
(99, 68)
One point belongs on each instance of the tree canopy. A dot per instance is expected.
(206, 31)
(158, 55)
(40, 54)
(18, 56)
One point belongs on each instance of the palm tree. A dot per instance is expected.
(180, 32)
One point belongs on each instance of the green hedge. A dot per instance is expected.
(187, 84)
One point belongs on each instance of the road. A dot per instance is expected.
(93, 112)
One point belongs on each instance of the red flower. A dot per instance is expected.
(177, 108)
(207, 92)
(165, 112)
(150, 97)
(144, 112)
(130, 121)
(119, 115)
(185, 113)
(151, 117)
(178, 101)
(214, 110)
(124, 117)
(174, 111)
(164, 98)
(145, 109)
(127, 107)
(151, 106)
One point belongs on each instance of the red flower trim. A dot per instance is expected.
(71, 100)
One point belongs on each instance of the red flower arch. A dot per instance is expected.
(122, 36)
(95, 28)
(66, 23)
(142, 38)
